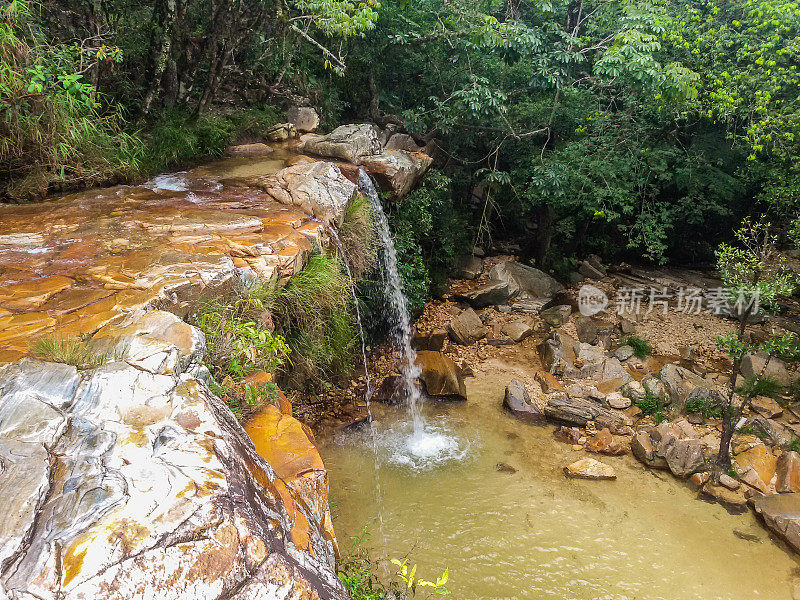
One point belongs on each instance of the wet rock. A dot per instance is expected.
(643, 449)
(623, 353)
(589, 468)
(729, 482)
(440, 376)
(494, 292)
(432, 340)
(392, 390)
(556, 316)
(733, 500)
(753, 365)
(351, 143)
(682, 455)
(568, 435)
(604, 443)
(525, 281)
(304, 118)
(468, 267)
(753, 479)
(250, 150)
(518, 402)
(787, 471)
(781, 514)
(467, 328)
(505, 468)
(587, 329)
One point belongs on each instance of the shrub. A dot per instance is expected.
(759, 386)
(650, 405)
(705, 406)
(641, 347)
(245, 400)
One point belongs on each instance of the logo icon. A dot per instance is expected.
(591, 300)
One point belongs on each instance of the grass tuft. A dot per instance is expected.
(75, 352)
(641, 347)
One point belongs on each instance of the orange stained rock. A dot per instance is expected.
(283, 442)
(257, 378)
(31, 294)
(761, 459)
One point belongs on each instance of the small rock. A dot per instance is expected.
(548, 382)
(556, 316)
(634, 390)
(589, 468)
(588, 270)
(627, 326)
(517, 330)
(505, 468)
(568, 435)
(788, 473)
(518, 402)
(618, 401)
(587, 330)
(766, 407)
(466, 328)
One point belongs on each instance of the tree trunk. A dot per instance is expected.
(544, 233)
(165, 20)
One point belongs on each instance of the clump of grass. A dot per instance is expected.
(641, 347)
(359, 241)
(75, 352)
(651, 405)
(759, 386)
(314, 312)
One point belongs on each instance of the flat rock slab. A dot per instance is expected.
(781, 513)
(589, 468)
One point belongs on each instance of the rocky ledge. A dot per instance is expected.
(131, 479)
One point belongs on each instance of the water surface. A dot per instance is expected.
(535, 534)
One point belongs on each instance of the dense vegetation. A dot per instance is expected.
(624, 127)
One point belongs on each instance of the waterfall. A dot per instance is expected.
(401, 330)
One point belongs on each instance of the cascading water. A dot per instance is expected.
(426, 444)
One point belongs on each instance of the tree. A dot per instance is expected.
(752, 274)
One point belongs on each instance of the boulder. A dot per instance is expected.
(680, 383)
(618, 401)
(623, 353)
(656, 388)
(589, 468)
(402, 141)
(556, 316)
(441, 377)
(683, 456)
(135, 482)
(604, 443)
(587, 329)
(643, 449)
(392, 390)
(766, 407)
(433, 340)
(579, 411)
(466, 328)
(588, 353)
(318, 188)
(525, 281)
(280, 132)
(753, 365)
(518, 402)
(557, 353)
(734, 501)
(517, 330)
(304, 118)
(787, 471)
(665, 445)
(608, 369)
(351, 143)
(634, 390)
(589, 271)
(468, 267)
(494, 292)
(759, 457)
(396, 170)
(627, 326)
(781, 514)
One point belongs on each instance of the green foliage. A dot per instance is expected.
(357, 236)
(759, 386)
(650, 405)
(794, 446)
(704, 406)
(244, 400)
(641, 347)
(237, 343)
(53, 131)
(429, 235)
(178, 138)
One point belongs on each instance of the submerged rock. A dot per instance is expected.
(589, 468)
(781, 513)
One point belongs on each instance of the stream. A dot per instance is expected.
(534, 533)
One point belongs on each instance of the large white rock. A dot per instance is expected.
(132, 481)
(318, 188)
(347, 142)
